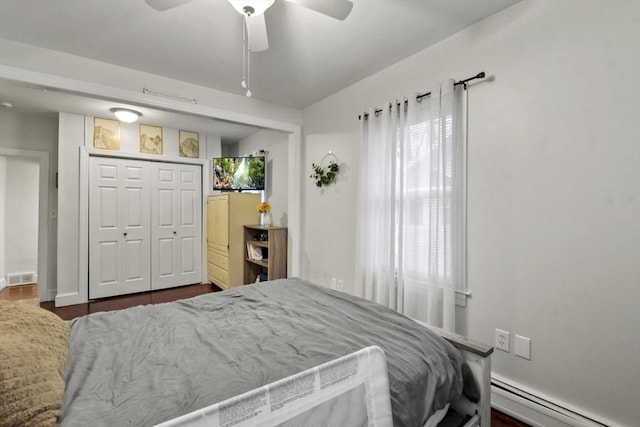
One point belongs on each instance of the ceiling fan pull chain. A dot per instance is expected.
(248, 73)
(244, 48)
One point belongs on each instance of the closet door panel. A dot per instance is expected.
(176, 223)
(165, 257)
(163, 253)
(106, 271)
(136, 256)
(137, 226)
(188, 208)
(134, 218)
(188, 255)
(108, 214)
(165, 206)
(119, 227)
(104, 253)
(190, 227)
(163, 213)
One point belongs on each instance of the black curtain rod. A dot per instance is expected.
(419, 97)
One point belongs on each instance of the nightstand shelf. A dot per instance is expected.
(270, 245)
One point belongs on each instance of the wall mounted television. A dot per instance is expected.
(238, 173)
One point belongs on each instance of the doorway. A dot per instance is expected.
(24, 218)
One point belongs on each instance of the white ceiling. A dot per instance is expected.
(310, 57)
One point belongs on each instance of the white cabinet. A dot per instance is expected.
(145, 226)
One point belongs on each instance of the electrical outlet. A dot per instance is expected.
(502, 340)
(340, 287)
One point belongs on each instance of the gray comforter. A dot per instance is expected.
(148, 364)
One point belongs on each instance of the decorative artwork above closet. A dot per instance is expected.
(106, 134)
(150, 139)
(189, 144)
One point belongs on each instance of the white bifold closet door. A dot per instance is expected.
(144, 226)
(119, 227)
(176, 218)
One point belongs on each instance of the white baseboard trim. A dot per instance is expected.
(536, 410)
(3, 283)
(68, 298)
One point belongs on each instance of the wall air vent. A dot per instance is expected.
(21, 278)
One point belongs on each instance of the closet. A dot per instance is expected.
(145, 225)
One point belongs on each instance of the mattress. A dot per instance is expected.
(148, 364)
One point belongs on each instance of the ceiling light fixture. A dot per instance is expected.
(126, 115)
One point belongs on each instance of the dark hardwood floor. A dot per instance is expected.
(26, 291)
(498, 419)
(126, 301)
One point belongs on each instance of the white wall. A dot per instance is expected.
(21, 215)
(554, 192)
(276, 144)
(329, 212)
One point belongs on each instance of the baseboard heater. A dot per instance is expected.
(536, 411)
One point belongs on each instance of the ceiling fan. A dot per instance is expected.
(253, 11)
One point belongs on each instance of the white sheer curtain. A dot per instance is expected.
(412, 213)
(376, 252)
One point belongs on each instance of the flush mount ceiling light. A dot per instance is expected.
(126, 115)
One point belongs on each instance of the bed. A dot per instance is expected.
(352, 390)
(150, 364)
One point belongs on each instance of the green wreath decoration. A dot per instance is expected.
(324, 177)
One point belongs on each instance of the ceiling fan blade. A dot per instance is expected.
(162, 5)
(338, 9)
(257, 33)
